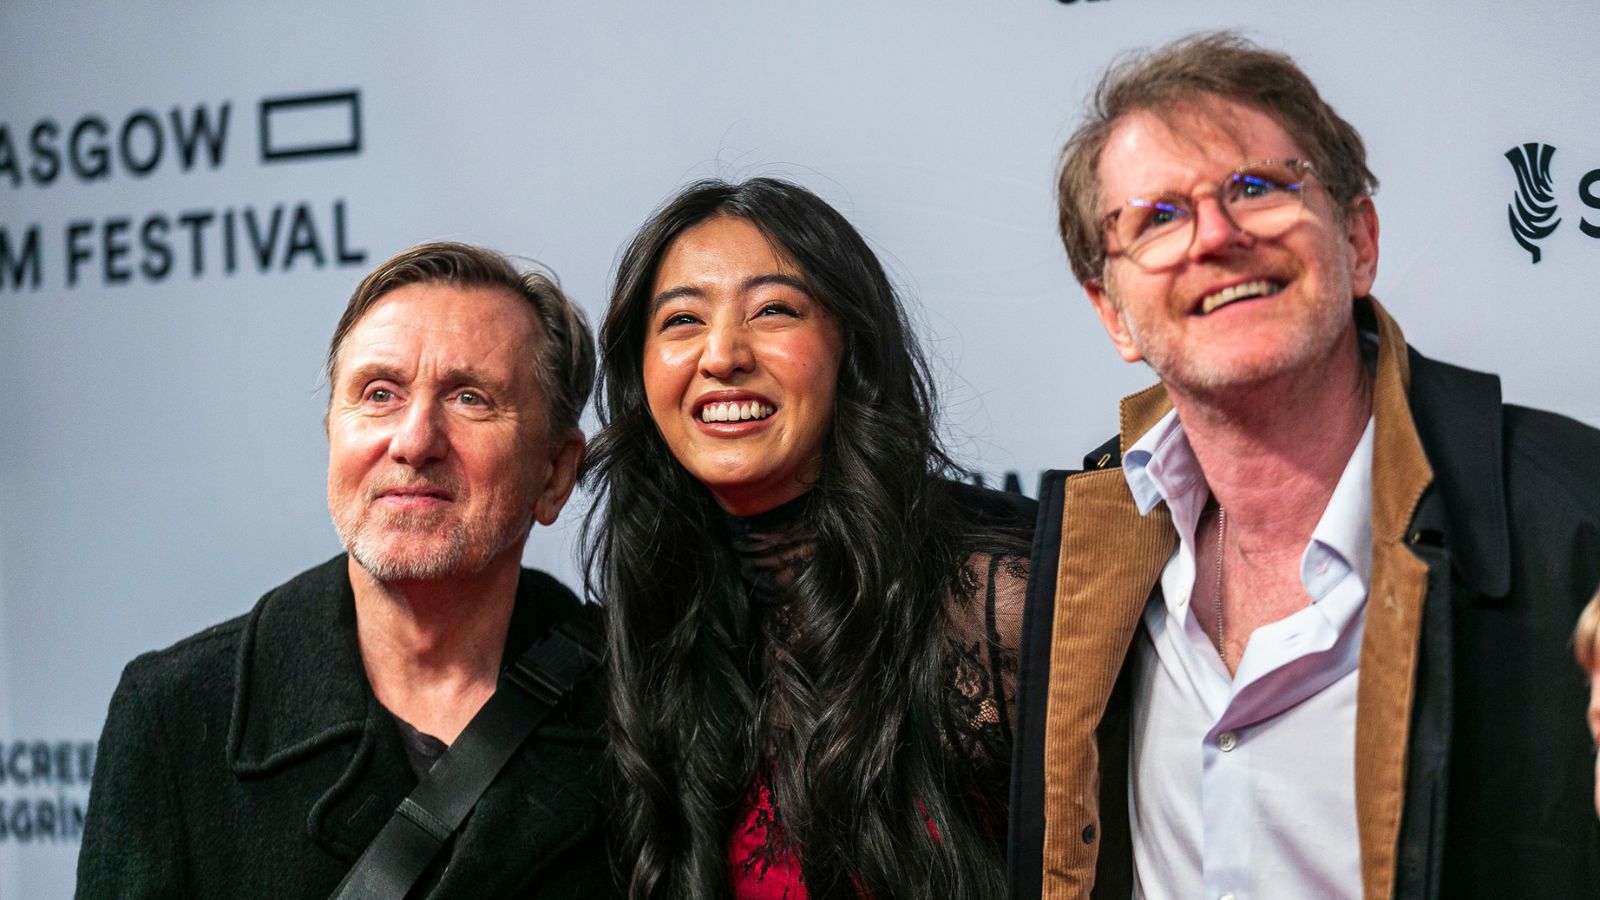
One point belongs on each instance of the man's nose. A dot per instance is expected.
(1214, 229)
(419, 437)
(726, 351)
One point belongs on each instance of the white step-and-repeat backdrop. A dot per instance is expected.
(189, 192)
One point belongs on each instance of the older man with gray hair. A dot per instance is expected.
(264, 756)
(1301, 629)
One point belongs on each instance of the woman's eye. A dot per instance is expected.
(677, 319)
(777, 309)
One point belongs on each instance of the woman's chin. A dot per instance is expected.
(753, 497)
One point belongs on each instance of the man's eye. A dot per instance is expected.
(380, 395)
(1252, 185)
(470, 398)
(1144, 216)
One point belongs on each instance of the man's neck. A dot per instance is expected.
(432, 649)
(1273, 453)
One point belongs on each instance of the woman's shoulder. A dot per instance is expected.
(988, 509)
(994, 542)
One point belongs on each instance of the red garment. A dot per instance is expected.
(761, 864)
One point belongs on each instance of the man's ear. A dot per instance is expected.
(1111, 319)
(1361, 230)
(565, 455)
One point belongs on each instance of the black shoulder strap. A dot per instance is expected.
(529, 689)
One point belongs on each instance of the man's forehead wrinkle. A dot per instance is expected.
(403, 361)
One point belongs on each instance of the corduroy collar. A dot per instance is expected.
(1418, 403)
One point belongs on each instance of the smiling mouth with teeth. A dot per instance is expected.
(744, 411)
(1247, 291)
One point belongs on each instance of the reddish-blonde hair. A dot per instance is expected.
(1587, 636)
(1220, 65)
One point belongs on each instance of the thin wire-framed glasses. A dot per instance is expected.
(1262, 199)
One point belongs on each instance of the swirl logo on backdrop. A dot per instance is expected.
(227, 239)
(1532, 212)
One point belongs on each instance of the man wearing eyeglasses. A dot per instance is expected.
(1301, 630)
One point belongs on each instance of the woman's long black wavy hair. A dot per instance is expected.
(872, 794)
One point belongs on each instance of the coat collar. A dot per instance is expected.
(299, 681)
(302, 703)
(1458, 423)
(1419, 404)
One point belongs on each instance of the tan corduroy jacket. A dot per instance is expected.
(1110, 559)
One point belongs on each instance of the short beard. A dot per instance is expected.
(448, 554)
(1205, 379)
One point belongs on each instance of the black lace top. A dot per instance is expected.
(984, 622)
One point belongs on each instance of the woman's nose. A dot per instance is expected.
(727, 350)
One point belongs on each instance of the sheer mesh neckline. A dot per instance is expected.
(772, 548)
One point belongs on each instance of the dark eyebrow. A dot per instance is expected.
(755, 281)
(371, 371)
(374, 371)
(470, 375)
(780, 279)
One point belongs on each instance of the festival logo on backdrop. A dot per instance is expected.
(151, 247)
(1532, 212)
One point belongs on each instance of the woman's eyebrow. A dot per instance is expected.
(754, 281)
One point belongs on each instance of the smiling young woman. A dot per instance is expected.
(740, 363)
(812, 631)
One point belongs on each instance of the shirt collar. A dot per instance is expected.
(1345, 529)
(1161, 466)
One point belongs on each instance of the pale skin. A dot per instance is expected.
(1594, 730)
(436, 427)
(1271, 391)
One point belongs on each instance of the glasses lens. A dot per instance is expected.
(1265, 199)
(1262, 199)
(1153, 229)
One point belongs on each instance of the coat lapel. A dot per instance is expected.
(1389, 650)
(303, 712)
(1110, 559)
(304, 715)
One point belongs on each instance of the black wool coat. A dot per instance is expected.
(253, 760)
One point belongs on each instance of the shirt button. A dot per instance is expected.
(1227, 741)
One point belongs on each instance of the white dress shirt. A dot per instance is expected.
(1244, 787)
